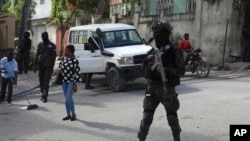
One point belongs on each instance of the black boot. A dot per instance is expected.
(45, 100)
(141, 136)
(89, 87)
(41, 98)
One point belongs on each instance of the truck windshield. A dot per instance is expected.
(121, 38)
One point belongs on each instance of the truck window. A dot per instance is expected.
(78, 37)
(121, 38)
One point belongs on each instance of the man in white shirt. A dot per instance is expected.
(9, 70)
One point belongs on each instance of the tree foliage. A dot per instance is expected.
(64, 9)
(63, 12)
(6, 8)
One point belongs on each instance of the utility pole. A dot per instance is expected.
(24, 22)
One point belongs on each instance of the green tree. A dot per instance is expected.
(6, 8)
(64, 11)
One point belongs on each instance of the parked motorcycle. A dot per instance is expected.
(197, 63)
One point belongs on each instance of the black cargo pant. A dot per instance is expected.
(6, 82)
(44, 78)
(23, 62)
(154, 95)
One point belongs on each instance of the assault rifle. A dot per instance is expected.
(158, 63)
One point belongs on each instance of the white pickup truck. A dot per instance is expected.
(118, 53)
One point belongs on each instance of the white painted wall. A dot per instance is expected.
(39, 24)
(42, 10)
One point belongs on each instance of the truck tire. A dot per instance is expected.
(115, 80)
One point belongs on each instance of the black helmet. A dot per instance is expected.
(161, 25)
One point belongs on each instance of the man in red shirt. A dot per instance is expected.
(185, 46)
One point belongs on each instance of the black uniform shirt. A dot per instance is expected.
(46, 54)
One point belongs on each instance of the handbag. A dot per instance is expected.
(74, 89)
(59, 79)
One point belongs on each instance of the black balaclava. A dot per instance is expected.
(161, 32)
(45, 37)
(161, 38)
(26, 34)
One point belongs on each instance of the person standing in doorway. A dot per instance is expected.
(24, 53)
(45, 61)
(94, 42)
(9, 70)
(173, 67)
(70, 70)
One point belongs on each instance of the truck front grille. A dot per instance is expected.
(138, 59)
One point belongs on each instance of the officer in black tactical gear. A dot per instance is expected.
(45, 61)
(24, 53)
(173, 66)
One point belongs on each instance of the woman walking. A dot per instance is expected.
(69, 68)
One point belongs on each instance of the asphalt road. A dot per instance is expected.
(208, 107)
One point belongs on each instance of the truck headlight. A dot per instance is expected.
(126, 60)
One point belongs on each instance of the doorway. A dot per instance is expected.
(246, 34)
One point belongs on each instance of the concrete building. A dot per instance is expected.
(7, 31)
(39, 22)
(215, 26)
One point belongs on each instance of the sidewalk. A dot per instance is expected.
(237, 66)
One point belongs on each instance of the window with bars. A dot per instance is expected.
(175, 6)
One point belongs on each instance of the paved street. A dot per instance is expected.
(208, 107)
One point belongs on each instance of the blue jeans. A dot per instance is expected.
(69, 102)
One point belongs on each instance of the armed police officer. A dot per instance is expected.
(159, 91)
(45, 61)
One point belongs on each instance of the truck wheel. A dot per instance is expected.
(115, 80)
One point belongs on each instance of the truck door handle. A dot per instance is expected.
(96, 56)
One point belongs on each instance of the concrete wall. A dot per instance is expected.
(7, 31)
(42, 10)
(39, 25)
(207, 29)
